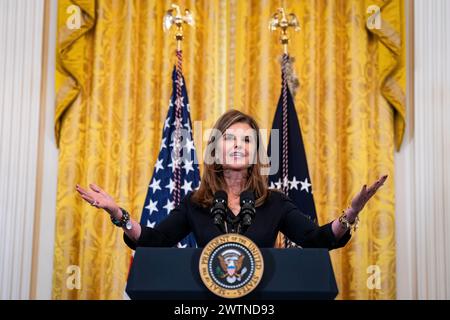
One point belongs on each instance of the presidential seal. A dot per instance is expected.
(231, 266)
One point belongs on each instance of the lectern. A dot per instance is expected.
(289, 274)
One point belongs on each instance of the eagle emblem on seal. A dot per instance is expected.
(231, 261)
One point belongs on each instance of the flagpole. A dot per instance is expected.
(173, 17)
(281, 21)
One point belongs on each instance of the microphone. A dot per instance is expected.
(248, 210)
(219, 208)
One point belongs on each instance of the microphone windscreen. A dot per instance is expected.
(221, 195)
(247, 196)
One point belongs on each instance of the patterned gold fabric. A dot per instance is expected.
(113, 88)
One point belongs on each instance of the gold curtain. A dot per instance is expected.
(113, 88)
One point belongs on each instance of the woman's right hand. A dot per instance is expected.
(100, 199)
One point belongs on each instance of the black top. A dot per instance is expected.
(277, 213)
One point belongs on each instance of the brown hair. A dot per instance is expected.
(212, 178)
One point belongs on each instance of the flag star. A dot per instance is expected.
(169, 206)
(166, 123)
(163, 144)
(189, 145)
(158, 165)
(188, 166)
(278, 184)
(187, 186)
(294, 183)
(151, 224)
(171, 186)
(188, 106)
(155, 185)
(272, 186)
(182, 246)
(152, 206)
(305, 185)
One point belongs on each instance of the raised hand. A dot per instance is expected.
(360, 200)
(98, 198)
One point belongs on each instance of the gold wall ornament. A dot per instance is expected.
(280, 21)
(173, 17)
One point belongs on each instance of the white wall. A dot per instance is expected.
(423, 165)
(21, 26)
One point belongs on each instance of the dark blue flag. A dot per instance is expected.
(161, 195)
(295, 181)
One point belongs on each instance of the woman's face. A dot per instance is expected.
(237, 147)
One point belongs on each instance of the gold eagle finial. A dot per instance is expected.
(282, 21)
(173, 17)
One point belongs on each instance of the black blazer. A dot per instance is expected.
(277, 213)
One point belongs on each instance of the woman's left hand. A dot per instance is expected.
(360, 200)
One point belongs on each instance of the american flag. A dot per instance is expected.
(164, 192)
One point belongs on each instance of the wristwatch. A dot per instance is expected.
(124, 222)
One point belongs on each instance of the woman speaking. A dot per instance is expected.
(235, 167)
